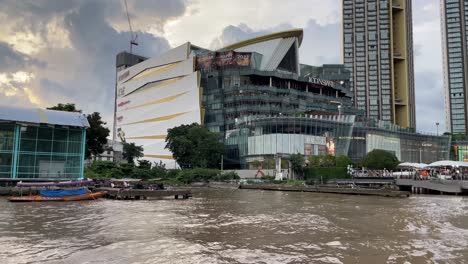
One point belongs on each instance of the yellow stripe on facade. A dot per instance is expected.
(153, 71)
(162, 100)
(159, 156)
(158, 85)
(149, 137)
(159, 118)
(42, 116)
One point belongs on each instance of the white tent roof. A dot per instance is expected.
(448, 163)
(412, 165)
(41, 116)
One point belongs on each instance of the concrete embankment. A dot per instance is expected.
(328, 189)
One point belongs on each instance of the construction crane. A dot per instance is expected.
(133, 37)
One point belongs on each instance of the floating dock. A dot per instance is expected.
(328, 189)
(137, 194)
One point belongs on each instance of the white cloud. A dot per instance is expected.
(206, 19)
(428, 66)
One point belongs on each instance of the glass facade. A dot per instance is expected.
(231, 93)
(41, 151)
(407, 145)
(455, 17)
(460, 150)
(260, 137)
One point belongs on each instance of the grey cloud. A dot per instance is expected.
(12, 60)
(95, 45)
(321, 44)
(33, 15)
(85, 73)
(161, 9)
(429, 101)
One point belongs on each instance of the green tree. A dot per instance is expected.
(96, 135)
(297, 164)
(327, 161)
(269, 163)
(144, 164)
(68, 107)
(343, 161)
(159, 169)
(256, 164)
(379, 159)
(194, 146)
(314, 161)
(131, 152)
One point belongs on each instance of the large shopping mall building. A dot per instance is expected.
(262, 100)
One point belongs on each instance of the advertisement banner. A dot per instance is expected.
(205, 61)
(222, 59)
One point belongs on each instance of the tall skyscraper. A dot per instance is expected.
(378, 51)
(454, 16)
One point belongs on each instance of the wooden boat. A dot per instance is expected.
(78, 192)
(41, 198)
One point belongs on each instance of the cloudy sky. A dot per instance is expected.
(56, 51)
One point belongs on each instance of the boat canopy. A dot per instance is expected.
(412, 165)
(63, 193)
(448, 163)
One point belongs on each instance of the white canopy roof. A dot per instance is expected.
(41, 116)
(412, 165)
(448, 163)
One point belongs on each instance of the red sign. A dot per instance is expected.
(123, 103)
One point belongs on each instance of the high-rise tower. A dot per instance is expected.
(378, 51)
(454, 16)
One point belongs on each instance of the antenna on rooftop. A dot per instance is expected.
(133, 37)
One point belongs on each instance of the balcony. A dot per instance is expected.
(399, 101)
(398, 56)
(397, 7)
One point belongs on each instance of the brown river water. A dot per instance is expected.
(238, 226)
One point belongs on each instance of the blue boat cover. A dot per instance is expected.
(61, 193)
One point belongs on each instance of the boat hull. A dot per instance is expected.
(40, 198)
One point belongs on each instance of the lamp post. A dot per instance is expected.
(437, 125)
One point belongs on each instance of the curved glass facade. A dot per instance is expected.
(258, 137)
(233, 93)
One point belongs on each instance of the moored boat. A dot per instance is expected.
(56, 195)
(63, 198)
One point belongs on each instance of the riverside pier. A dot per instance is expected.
(329, 189)
(137, 194)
